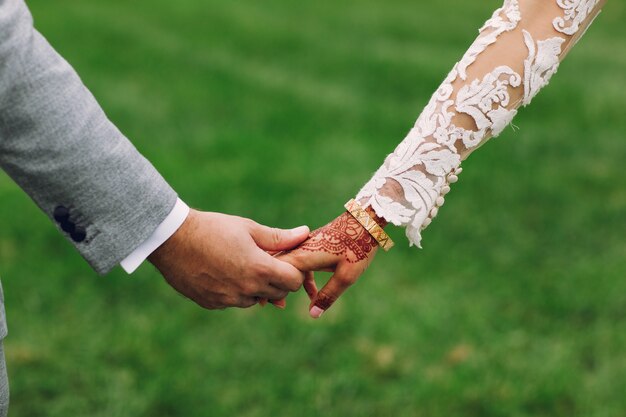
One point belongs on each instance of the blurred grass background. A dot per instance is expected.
(280, 111)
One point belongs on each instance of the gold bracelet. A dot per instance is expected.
(373, 228)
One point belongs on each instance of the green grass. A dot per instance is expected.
(279, 110)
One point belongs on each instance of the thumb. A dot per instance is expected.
(273, 239)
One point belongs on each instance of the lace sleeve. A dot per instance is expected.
(517, 51)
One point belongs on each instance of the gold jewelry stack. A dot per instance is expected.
(373, 228)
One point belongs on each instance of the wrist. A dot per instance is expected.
(370, 222)
(174, 242)
(381, 222)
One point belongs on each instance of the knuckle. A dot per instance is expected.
(261, 270)
(277, 236)
(344, 281)
(248, 288)
(294, 285)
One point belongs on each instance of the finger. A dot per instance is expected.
(310, 286)
(279, 274)
(309, 261)
(334, 288)
(247, 302)
(282, 303)
(271, 293)
(273, 239)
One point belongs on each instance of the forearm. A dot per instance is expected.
(516, 53)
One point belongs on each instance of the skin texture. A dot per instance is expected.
(221, 261)
(344, 247)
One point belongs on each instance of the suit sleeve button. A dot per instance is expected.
(79, 234)
(68, 226)
(61, 214)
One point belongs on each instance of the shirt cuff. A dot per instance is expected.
(163, 232)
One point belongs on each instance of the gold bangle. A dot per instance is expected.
(373, 228)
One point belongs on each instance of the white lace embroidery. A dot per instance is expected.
(575, 12)
(422, 167)
(479, 98)
(580, 35)
(541, 64)
(410, 186)
(421, 189)
(499, 24)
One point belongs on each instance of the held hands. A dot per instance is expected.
(222, 261)
(343, 247)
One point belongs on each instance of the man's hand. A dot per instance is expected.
(344, 247)
(221, 261)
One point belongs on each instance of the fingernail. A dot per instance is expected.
(316, 312)
(300, 230)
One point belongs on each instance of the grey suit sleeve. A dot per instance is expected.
(58, 145)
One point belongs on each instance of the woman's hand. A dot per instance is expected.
(344, 247)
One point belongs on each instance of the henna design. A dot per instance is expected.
(324, 301)
(344, 235)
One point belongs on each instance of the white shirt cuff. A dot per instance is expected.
(163, 232)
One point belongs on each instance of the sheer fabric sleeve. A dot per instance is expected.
(516, 53)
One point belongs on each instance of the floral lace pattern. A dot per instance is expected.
(408, 189)
(541, 64)
(504, 19)
(575, 12)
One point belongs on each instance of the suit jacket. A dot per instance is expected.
(58, 146)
